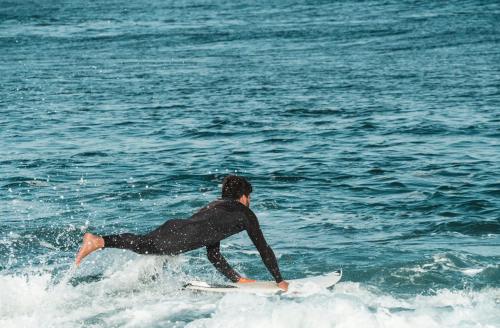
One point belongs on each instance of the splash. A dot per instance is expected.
(140, 293)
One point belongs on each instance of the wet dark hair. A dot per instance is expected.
(234, 187)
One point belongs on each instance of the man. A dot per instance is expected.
(206, 228)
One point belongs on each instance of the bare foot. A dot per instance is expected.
(90, 243)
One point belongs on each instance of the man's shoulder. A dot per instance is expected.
(226, 205)
(222, 203)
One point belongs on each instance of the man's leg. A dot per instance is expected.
(139, 244)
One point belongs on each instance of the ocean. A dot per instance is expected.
(370, 131)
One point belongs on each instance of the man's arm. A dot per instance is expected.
(220, 263)
(267, 254)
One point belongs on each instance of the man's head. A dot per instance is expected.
(237, 188)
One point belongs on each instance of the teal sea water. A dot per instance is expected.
(370, 131)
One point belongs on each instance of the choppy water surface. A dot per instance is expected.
(370, 131)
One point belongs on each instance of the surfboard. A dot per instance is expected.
(304, 285)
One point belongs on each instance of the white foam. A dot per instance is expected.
(125, 295)
(354, 306)
(472, 271)
(438, 263)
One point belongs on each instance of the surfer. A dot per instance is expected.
(216, 221)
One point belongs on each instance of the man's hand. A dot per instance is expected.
(283, 285)
(243, 280)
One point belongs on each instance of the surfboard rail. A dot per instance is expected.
(269, 287)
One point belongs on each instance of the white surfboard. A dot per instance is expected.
(304, 285)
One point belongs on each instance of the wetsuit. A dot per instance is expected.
(206, 228)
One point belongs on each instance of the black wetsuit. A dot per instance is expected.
(206, 228)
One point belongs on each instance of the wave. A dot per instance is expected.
(468, 227)
(137, 293)
(353, 305)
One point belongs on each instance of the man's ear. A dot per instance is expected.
(244, 200)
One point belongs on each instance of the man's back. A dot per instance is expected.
(211, 224)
